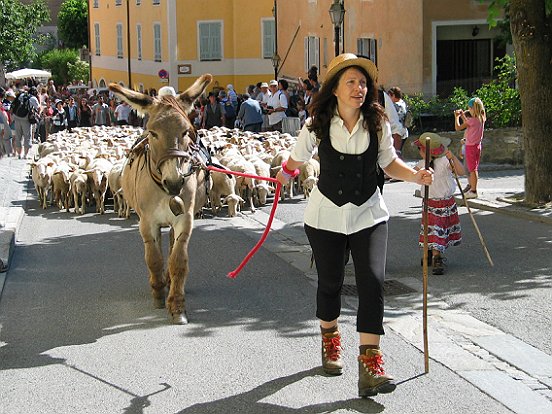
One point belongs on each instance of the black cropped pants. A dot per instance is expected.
(368, 248)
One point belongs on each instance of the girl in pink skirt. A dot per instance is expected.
(443, 222)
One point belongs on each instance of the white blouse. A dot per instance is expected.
(444, 183)
(321, 213)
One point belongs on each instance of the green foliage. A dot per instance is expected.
(57, 61)
(79, 70)
(18, 25)
(500, 97)
(73, 23)
(497, 6)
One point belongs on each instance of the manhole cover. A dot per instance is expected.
(390, 288)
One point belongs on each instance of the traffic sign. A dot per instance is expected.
(163, 74)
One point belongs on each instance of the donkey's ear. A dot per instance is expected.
(137, 100)
(193, 92)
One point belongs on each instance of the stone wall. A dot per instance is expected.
(500, 146)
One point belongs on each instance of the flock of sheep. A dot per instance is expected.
(80, 168)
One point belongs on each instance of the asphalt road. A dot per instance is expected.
(79, 333)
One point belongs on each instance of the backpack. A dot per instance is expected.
(21, 106)
(229, 110)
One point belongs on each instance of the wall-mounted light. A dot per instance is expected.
(475, 31)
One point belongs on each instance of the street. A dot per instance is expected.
(79, 333)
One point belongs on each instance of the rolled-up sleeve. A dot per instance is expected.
(304, 147)
(386, 152)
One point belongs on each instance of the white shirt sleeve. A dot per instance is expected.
(391, 112)
(304, 147)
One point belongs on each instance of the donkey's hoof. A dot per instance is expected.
(179, 318)
(159, 303)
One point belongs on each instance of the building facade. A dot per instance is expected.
(423, 46)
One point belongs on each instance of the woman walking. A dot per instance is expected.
(346, 213)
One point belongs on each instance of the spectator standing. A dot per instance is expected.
(5, 130)
(72, 114)
(264, 95)
(277, 105)
(400, 106)
(474, 126)
(122, 113)
(250, 114)
(85, 113)
(100, 112)
(233, 96)
(212, 113)
(229, 110)
(51, 89)
(112, 107)
(23, 127)
(59, 118)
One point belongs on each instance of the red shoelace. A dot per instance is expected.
(332, 347)
(374, 363)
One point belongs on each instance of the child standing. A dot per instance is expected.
(474, 126)
(443, 223)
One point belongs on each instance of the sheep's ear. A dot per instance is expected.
(193, 92)
(137, 100)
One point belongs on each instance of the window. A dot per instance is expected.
(368, 47)
(210, 41)
(96, 4)
(119, 40)
(312, 52)
(97, 38)
(139, 41)
(118, 2)
(157, 42)
(156, 2)
(269, 38)
(138, 2)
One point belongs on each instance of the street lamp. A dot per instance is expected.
(275, 59)
(337, 13)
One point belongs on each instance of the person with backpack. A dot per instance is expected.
(405, 117)
(228, 109)
(24, 110)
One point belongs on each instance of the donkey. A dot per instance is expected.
(164, 182)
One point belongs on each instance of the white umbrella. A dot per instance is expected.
(28, 73)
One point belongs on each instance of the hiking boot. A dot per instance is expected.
(466, 189)
(438, 265)
(470, 194)
(372, 379)
(331, 353)
(429, 259)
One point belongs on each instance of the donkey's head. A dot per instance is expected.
(170, 131)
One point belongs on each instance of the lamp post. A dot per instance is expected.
(275, 58)
(337, 13)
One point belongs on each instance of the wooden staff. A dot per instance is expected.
(425, 220)
(471, 215)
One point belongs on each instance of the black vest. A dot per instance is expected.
(348, 178)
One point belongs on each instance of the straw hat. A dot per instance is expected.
(349, 59)
(438, 145)
(166, 91)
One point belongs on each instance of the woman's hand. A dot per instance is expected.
(424, 177)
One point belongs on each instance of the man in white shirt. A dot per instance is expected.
(122, 111)
(277, 105)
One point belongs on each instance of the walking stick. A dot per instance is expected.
(471, 215)
(425, 214)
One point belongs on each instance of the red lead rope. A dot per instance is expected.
(252, 252)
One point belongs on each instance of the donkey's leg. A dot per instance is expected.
(153, 254)
(179, 268)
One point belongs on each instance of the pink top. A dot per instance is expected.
(474, 131)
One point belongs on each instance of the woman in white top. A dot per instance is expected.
(346, 213)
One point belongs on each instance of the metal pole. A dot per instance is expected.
(336, 29)
(128, 46)
(275, 38)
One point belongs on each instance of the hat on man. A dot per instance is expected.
(265, 85)
(166, 91)
(58, 101)
(10, 93)
(273, 83)
(346, 60)
(437, 144)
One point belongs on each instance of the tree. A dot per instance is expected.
(531, 28)
(59, 61)
(73, 23)
(18, 25)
